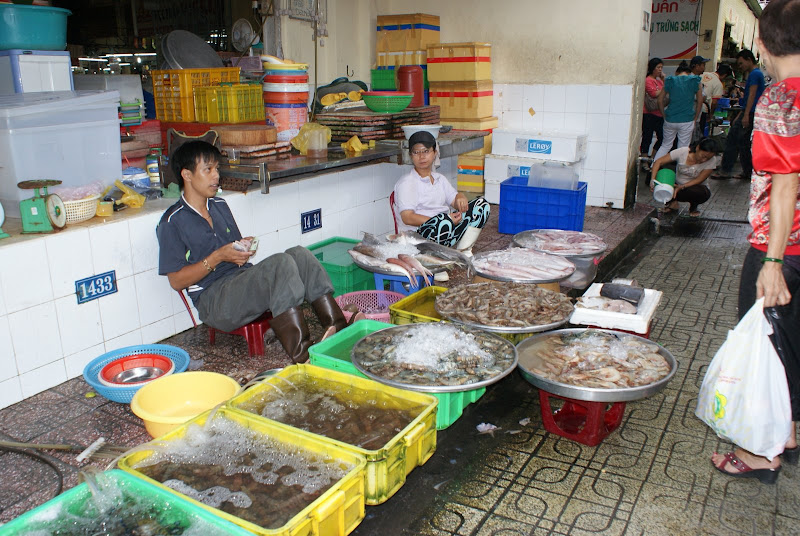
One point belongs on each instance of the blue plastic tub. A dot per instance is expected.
(33, 27)
(524, 207)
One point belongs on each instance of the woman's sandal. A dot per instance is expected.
(765, 476)
(791, 456)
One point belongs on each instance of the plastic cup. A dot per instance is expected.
(233, 155)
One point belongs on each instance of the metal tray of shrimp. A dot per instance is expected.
(363, 346)
(590, 394)
(479, 256)
(502, 329)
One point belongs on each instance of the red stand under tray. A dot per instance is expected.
(585, 422)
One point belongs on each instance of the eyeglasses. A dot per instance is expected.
(422, 151)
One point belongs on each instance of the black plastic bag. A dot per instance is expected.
(786, 340)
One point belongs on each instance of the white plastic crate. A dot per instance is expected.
(562, 146)
(72, 136)
(498, 168)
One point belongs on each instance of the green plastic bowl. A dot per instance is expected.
(387, 102)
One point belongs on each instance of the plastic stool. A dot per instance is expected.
(397, 283)
(585, 422)
(252, 332)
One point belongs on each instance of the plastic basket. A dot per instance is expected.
(388, 465)
(524, 207)
(370, 300)
(229, 103)
(81, 209)
(169, 509)
(417, 308)
(124, 395)
(336, 512)
(345, 275)
(173, 90)
(334, 353)
(387, 102)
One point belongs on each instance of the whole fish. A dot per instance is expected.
(416, 265)
(407, 271)
(443, 252)
(366, 260)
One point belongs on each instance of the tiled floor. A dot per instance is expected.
(650, 477)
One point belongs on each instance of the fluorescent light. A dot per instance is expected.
(123, 64)
(145, 54)
(117, 55)
(92, 59)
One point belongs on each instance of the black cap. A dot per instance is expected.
(424, 137)
(697, 60)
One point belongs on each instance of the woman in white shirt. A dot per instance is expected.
(694, 165)
(427, 203)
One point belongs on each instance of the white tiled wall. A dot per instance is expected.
(602, 111)
(47, 338)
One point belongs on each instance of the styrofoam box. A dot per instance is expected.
(72, 136)
(638, 323)
(128, 85)
(559, 145)
(498, 168)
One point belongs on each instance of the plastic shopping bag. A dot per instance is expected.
(744, 397)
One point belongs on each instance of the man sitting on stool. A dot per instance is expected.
(196, 238)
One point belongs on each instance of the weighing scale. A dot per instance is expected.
(2, 220)
(42, 213)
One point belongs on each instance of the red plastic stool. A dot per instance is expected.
(253, 332)
(585, 422)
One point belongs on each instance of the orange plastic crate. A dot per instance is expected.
(173, 90)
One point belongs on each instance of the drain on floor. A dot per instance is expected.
(702, 228)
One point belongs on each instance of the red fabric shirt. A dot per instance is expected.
(776, 149)
(652, 86)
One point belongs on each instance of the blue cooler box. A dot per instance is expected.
(524, 207)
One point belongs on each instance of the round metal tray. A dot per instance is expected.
(433, 388)
(479, 256)
(515, 240)
(594, 394)
(502, 329)
(377, 270)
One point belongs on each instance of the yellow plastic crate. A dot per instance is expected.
(449, 62)
(417, 308)
(173, 90)
(388, 466)
(337, 512)
(229, 103)
(465, 101)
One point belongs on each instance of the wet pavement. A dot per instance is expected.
(652, 476)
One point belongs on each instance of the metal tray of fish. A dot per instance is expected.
(531, 328)
(379, 270)
(528, 361)
(375, 355)
(530, 239)
(478, 271)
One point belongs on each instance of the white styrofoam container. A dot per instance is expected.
(559, 145)
(491, 192)
(128, 85)
(638, 323)
(497, 168)
(72, 136)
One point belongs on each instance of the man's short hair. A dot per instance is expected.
(746, 54)
(777, 27)
(191, 153)
(723, 69)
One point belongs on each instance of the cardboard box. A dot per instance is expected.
(460, 61)
(406, 32)
(485, 124)
(401, 58)
(463, 101)
(470, 173)
(562, 146)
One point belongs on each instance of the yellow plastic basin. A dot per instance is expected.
(169, 401)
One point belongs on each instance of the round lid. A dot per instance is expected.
(185, 50)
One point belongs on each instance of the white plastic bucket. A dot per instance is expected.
(663, 193)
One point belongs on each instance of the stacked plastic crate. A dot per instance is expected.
(403, 40)
(461, 84)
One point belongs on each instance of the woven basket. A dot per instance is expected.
(377, 302)
(81, 209)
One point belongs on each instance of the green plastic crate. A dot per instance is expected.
(334, 353)
(384, 78)
(171, 509)
(345, 275)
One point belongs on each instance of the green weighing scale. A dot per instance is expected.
(43, 213)
(2, 221)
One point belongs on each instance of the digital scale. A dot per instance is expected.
(43, 213)
(2, 221)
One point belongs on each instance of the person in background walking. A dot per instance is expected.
(683, 111)
(697, 67)
(771, 267)
(652, 118)
(738, 142)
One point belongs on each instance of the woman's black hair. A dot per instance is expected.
(777, 27)
(191, 153)
(683, 67)
(652, 64)
(708, 145)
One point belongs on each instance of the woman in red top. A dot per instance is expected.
(772, 266)
(652, 119)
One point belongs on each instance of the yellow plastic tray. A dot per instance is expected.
(387, 467)
(417, 308)
(337, 512)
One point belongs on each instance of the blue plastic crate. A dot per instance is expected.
(524, 207)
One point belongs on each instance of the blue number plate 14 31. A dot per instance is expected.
(96, 286)
(311, 221)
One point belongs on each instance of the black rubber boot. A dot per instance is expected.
(329, 313)
(292, 332)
